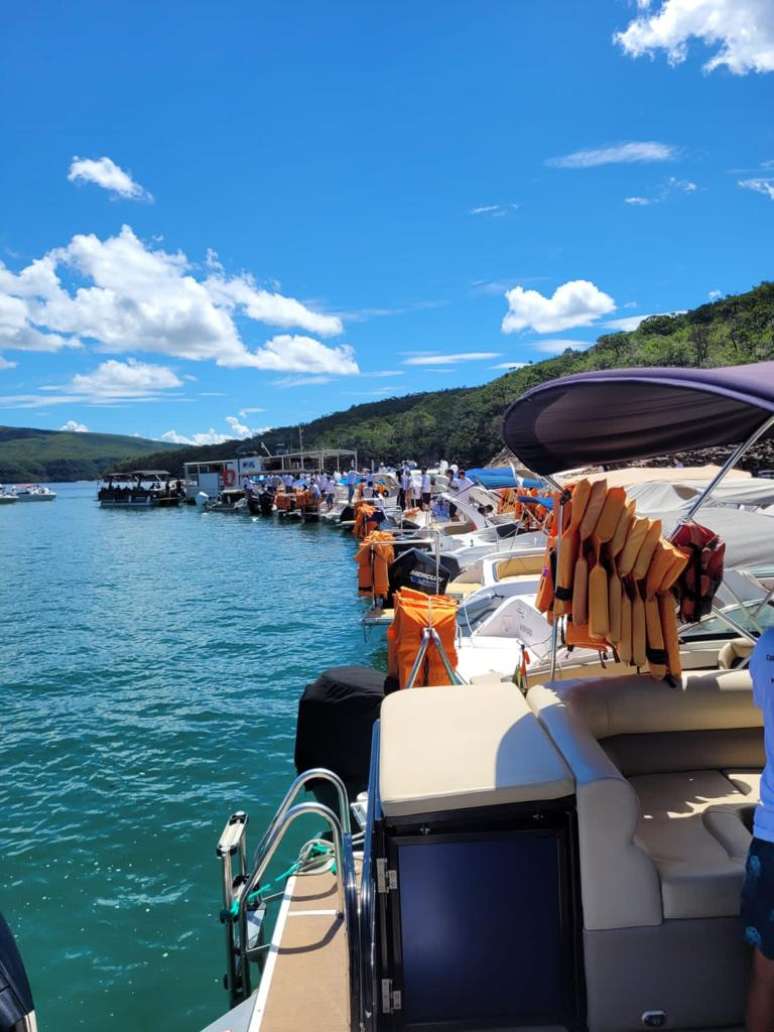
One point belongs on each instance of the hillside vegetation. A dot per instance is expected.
(35, 455)
(464, 425)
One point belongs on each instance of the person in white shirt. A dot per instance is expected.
(426, 489)
(405, 488)
(758, 889)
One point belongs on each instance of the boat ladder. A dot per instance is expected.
(242, 916)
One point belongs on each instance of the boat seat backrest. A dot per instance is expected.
(602, 725)
(716, 700)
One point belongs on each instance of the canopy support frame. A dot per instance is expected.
(724, 470)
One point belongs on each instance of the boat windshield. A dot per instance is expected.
(714, 628)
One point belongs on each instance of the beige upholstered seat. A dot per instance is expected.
(665, 781)
(459, 746)
(692, 827)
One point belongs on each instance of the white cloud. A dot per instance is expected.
(249, 411)
(300, 381)
(761, 186)
(295, 354)
(5, 364)
(742, 29)
(627, 325)
(667, 189)
(239, 431)
(241, 293)
(385, 372)
(559, 346)
(110, 383)
(74, 427)
(442, 360)
(509, 365)
(620, 153)
(576, 303)
(713, 295)
(210, 436)
(105, 173)
(129, 296)
(128, 379)
(494, 210)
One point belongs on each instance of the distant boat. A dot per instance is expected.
(7, 495)
(142, 489)
(34, 493)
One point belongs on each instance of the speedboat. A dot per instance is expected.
(34, 493)
(570, 855)
(231, 500)
(7, 495)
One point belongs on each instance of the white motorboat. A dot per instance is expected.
(34, 493)
(7, 495)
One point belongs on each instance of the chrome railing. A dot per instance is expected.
(238, 887)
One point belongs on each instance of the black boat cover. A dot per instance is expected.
(335, 717)
(617, 415)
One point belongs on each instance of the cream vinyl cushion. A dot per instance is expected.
(691, 826)
(458, 746)
(656, 845)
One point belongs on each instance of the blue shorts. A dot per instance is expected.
(758, 897)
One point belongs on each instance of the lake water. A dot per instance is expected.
(150, 668)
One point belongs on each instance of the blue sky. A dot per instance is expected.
(224, 216)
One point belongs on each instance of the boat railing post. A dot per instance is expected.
(698, 502)
(558, 516)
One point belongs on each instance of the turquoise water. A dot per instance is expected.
(150, 667)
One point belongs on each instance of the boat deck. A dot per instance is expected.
(379, 617)
(305, 984)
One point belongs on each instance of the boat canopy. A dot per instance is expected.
(500, 476)
(617, 415)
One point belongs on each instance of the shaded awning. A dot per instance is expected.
(494, 477)
(617, 415)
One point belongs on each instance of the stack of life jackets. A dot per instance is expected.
(414, 611)
(364, 522)
(611, 578)
(373, 559)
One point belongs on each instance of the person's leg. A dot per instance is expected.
(756, 912)
(760, 996)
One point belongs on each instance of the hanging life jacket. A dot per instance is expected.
(700, 579)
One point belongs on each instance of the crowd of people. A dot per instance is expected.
(415, 487)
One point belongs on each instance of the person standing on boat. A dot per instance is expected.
(758, 889)
(405, 487)
(426, 489)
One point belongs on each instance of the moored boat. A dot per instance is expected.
(34, 493)
(141, 489)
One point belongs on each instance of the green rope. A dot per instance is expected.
(258, 895)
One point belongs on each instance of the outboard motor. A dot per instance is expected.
(17, 1011)
(335, 717)
(418, 570)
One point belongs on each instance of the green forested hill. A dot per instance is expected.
(463, 425)
(27, 454)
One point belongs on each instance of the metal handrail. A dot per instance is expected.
(315, 774)
(345, 882)
(236, 891)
